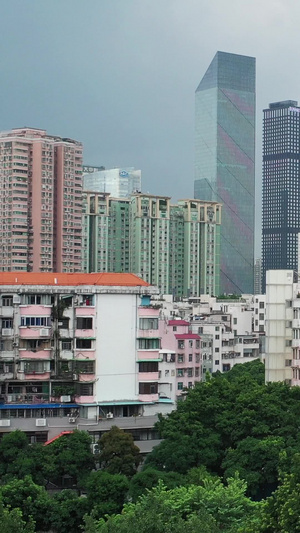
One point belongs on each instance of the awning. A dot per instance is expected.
(37, 405)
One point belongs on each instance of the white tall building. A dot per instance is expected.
(119, 182)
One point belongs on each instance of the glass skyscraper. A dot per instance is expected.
(281, 188)
(224, 161)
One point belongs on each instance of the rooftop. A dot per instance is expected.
(64, 279)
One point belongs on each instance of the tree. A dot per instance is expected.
(11, 520)
(257, 462)
(69, 455)
(106, 493)
(118, 453)
(67, 512)
(212, 428)
(149, 478)
(30, 498)
(210, 508)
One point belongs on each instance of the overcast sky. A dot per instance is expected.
(120, 75)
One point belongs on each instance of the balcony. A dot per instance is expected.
(6, 375)
(7, 311)
(296, 323)
(84, 399)
(34, 332)
(31, 375)
(35, 310)
(296, 363)
(25, 398)
(148, 333)
(296, 343)
(86, 377)
(7, 332)
(85, 354)
(85, 310)
(85, 333)
(36, 354)
(148, 376)
(148, 355)
(148, 397)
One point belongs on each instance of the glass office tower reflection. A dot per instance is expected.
(224, 161)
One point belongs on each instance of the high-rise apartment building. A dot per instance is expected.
(224, 161)
(40, 202)
(257, 276)
(119, 182)
(175, 247)
(281, 190)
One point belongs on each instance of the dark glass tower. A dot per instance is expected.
(281, 187)
(224, 161)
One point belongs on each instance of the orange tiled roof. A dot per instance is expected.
(51, 278)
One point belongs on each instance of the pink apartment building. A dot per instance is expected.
(40, 202)
(184, 350)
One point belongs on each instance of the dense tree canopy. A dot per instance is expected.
(232, 422)
(118, 453)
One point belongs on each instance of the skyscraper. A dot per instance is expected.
(40, 202)
(224, 161)
(119, 182)
(281, 188)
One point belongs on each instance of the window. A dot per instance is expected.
(190, 384)
(197, 357)
(85, 367)
(7, 323)
(7, 301)
(217, 337)
(196, 372)
(198, 343)
(217, 362)
(235, 321)
(180, 358)
(217, 350)
(288, 362)
(174, 328)
(148, 367)
(85, 389)
(261, 305)
(190, 357)
(84, 344)
(190, 372)
(148, 344)
(84, 322)
(148, 323)
(190, 344)
(36, 367)
(33, 299)
(179, 372)
(179, 385)
(63, 323)
(148, 388)
(66, 345)
(262, 317)
(36, 321)
(226, 367)
(6, 367)
(181, 345)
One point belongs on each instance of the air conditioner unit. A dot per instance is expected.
(16, 299)
(44, 333)
(65, 399)
(4, 423)
(72, 420)
(109, 415)
(75, 377)
(41, 422)
(95, 448)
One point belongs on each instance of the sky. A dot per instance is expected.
(120, 75)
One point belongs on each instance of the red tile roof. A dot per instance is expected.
(178, 323)
(51, 278)
(187, 336)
